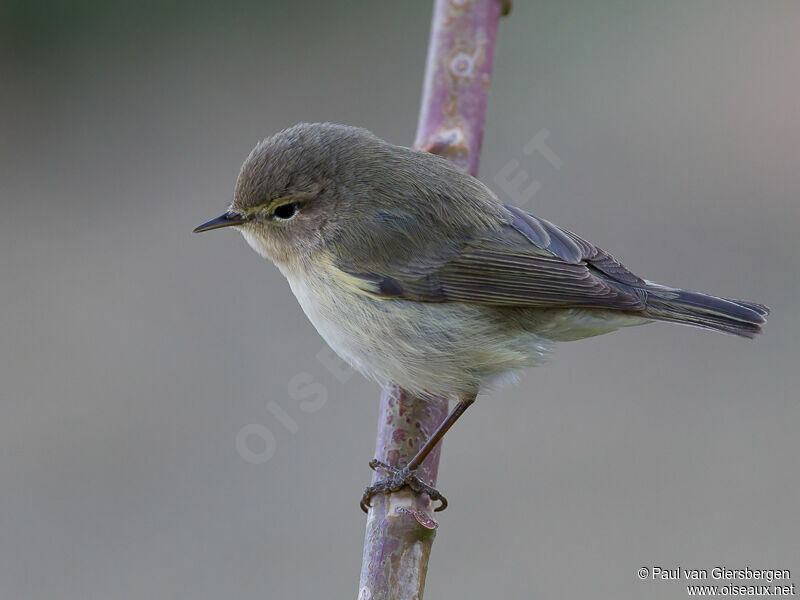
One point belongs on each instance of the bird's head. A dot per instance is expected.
(295, 186)
(320, 186)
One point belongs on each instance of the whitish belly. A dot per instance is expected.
(446, 349)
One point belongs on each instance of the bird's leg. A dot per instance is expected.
(400, 477)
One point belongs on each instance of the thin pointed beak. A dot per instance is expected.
(227, 220)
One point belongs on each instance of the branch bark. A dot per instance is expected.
(400, 529)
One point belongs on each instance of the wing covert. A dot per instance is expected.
(526, 262)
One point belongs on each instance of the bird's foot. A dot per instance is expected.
(398, 479)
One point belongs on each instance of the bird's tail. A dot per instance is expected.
(701, 310)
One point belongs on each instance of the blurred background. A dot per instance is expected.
(150, 445)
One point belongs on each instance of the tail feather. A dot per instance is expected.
(702, 310)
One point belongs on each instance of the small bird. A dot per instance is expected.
(416, 274)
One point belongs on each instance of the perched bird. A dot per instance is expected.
(416, 274)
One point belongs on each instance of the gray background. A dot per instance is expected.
(132, 352)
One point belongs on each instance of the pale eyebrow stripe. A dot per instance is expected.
(275, 202)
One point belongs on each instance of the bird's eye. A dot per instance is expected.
(286, 211)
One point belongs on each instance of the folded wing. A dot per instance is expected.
(526, 262)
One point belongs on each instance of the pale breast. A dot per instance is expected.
(447, 349)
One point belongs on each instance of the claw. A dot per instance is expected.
(375, 463)
(398, 479)
(365, 502)
(442, 503)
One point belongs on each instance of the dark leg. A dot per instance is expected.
(407, 476)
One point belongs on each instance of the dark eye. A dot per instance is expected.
(286, 211)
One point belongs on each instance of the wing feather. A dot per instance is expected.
(526, 262)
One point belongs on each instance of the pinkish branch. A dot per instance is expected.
(400, 529)
(457, 78)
